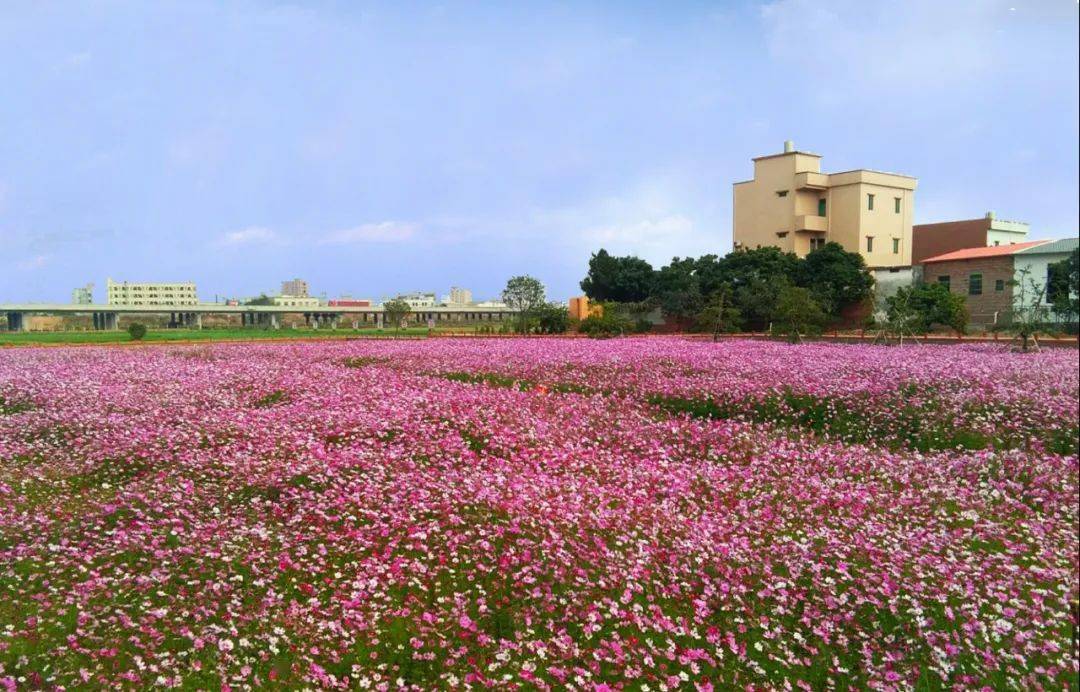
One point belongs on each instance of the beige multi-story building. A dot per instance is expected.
(297, 288)
(458, 296)
(128, 293)
(792, 205)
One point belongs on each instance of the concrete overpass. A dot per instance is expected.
(105, 317)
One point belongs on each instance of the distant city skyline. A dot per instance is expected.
(374, 150)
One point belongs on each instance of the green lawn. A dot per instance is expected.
(110, 337)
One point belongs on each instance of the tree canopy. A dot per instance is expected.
(524, 294)
(685, 288)
(621, 279)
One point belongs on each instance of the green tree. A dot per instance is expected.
(1063, 287)
(837, 278)
(719, 316)
(677, 291)
(929, 304)
(394, 311)
(524, 295)
(756, 301)
(622, 279)
(552, 318)
(262, 299)
(797, 313)
(136, 330)
(1030, 312)
(611, 322)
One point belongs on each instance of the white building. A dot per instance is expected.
(418, 300)
(83, 295)
(1033, 265)
(295, 301)
(130, 293)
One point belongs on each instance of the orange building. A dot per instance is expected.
(580, 308)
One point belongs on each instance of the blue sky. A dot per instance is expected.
(374, 148)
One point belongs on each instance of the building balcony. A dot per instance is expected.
(808, 223)
(811, 181)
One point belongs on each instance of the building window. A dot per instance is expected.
(870, 202)
(870, 242)
(999, 285)
(943, 280)
(821, 207)
(817, 243)
(781, 234)
(896, 246)
(781, 193)
(975, 285)
(896, 204)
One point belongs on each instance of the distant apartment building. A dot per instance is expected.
(790, 204)
(458, 296)
(83, 295)
(129, 293)
(988, 277)
(295, 301)
(296, 288)
(933, 239)
(419, 300)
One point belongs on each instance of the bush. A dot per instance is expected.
(552, 319)
(606, 325)
(929, 305)
(136, 330)
(642, 326)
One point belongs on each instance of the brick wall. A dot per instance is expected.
(932, 239)
(993, 269)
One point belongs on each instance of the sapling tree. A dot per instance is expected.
(1029, 313)
(395, 311)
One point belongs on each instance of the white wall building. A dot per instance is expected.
(83, 295)
(419, 300)
(1033, 263)
(295, 301)
(132, 293)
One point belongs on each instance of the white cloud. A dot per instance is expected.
(248, 236)
(32, 263)
(849, 48)
(383, 232)
(657, 219)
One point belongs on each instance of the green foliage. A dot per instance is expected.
(136, 330)
(797, 313)
(720, 315)
(394, 311)
(837, 278)
(524, 294)
(621, 279)
(613, 322)
(926, 305)
(1030, 313)
(685, 288)
(1063, 287)
(261, 299)
(552, 318)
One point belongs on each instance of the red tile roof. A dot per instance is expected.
(980, 252)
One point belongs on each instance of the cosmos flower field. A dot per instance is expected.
(634, 514)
